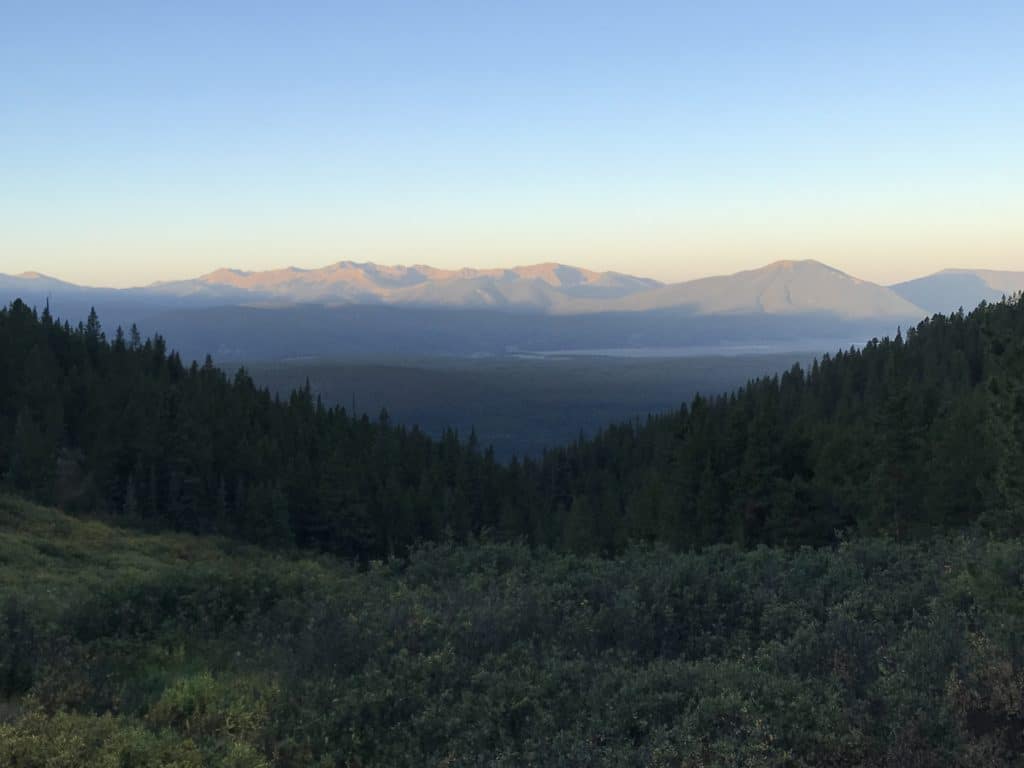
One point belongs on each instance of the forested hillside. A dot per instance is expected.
(898, 643)
(905, 436)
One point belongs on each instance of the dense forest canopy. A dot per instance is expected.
(909, 435)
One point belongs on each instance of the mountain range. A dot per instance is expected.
(364, 308)
(544, 287)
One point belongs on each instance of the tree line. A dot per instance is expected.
(904, 436)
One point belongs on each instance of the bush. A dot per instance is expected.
(178, 653)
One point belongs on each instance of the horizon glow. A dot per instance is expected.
(143, 144)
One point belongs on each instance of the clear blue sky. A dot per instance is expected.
(143, 141)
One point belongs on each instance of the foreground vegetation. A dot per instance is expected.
(131, 649)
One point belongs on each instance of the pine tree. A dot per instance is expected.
(33, 458)
(93, 330)
(130, 509)
(579, 535)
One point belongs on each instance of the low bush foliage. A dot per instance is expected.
(126, 649)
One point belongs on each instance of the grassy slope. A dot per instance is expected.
(126, 649)
(56, 572)
(54, 560)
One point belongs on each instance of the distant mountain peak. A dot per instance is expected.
(225, 272)
(949, 289)
(793, 264)
(785, 287)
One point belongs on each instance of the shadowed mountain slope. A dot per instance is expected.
(951, 289)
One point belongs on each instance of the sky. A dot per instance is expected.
(147, 141)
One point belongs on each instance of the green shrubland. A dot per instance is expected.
(121, 648)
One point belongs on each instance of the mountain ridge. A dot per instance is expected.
(365, 309)
(781, 287)
(952, 289)
(544, 286)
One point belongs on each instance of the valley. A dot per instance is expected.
(520, 405)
